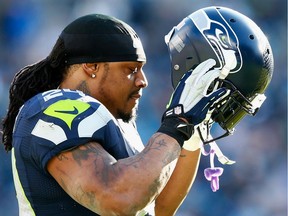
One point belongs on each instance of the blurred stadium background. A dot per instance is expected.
(257, 184)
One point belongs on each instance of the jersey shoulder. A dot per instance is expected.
(69, 112)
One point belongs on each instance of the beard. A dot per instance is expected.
(128, 116)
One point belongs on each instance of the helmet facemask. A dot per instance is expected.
(229, 111)
(228, 114)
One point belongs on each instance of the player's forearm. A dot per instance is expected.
(144, 176)
(150, 170)
(179, 184)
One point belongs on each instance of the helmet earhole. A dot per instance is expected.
(232, 20)
(251, 37)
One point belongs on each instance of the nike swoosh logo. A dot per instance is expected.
(72, 112)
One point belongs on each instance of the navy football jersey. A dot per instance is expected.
(52, 122)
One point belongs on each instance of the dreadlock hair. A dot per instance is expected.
(39, 77)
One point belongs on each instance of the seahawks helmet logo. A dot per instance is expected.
(221, 38)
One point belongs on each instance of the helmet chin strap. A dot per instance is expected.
(220, 156)
(213, 173)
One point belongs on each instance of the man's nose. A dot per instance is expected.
(141, 80)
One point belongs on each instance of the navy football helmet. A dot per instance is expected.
(241, 50)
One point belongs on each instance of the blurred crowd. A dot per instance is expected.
(256, 185)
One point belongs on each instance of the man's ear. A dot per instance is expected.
(90, 68)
